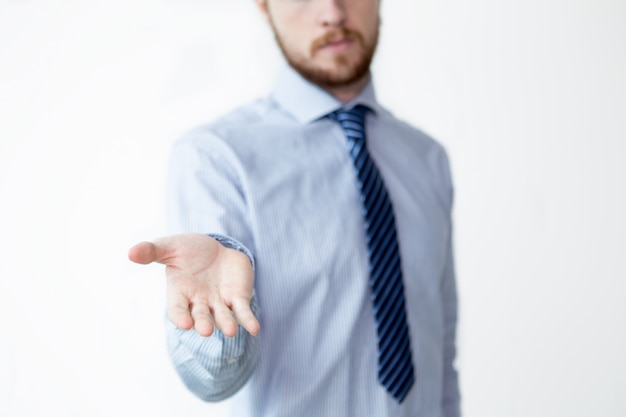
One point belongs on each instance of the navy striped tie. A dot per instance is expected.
(395, 368)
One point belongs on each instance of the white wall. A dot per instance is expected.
(529, 97)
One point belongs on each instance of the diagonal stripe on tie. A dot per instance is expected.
(395, 365)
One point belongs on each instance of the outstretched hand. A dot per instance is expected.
(208, 285)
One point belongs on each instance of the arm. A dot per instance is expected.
(208, 281)
(451, 395)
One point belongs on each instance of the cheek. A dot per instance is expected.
(369, 19)
(295, 41)
(292, 26)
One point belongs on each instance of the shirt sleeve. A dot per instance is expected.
(451, 393)
(207, 194)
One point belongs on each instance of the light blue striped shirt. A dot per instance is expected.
(275, 177)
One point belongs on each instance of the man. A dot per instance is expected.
(326, 286)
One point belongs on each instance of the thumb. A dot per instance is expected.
(175, 250)
(143, 253)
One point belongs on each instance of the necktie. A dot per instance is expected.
(395, 367)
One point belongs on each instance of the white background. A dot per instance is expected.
(529, 98)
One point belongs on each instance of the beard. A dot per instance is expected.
(347, 70)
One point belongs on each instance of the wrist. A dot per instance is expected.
(232, 243)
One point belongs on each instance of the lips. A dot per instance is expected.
(336, 40)
(337, 45)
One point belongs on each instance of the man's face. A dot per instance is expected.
(329, 42)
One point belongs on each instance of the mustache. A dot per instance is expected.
(335, 35)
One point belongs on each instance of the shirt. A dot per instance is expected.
(274, 178)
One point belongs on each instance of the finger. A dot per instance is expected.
(202, 319)
(142, 253)
(178, 310)
(224, 320)
(245, 316)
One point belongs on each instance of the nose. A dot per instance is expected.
(332, 12)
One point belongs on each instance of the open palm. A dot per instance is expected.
(208, 285)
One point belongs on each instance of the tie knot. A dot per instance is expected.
(352, 121)
(356, 114)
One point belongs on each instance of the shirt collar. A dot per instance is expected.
(307, 102)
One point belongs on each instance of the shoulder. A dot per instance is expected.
(423, 150)
(230, 128)
(216, 145)
(410, 134)
(414, 140)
